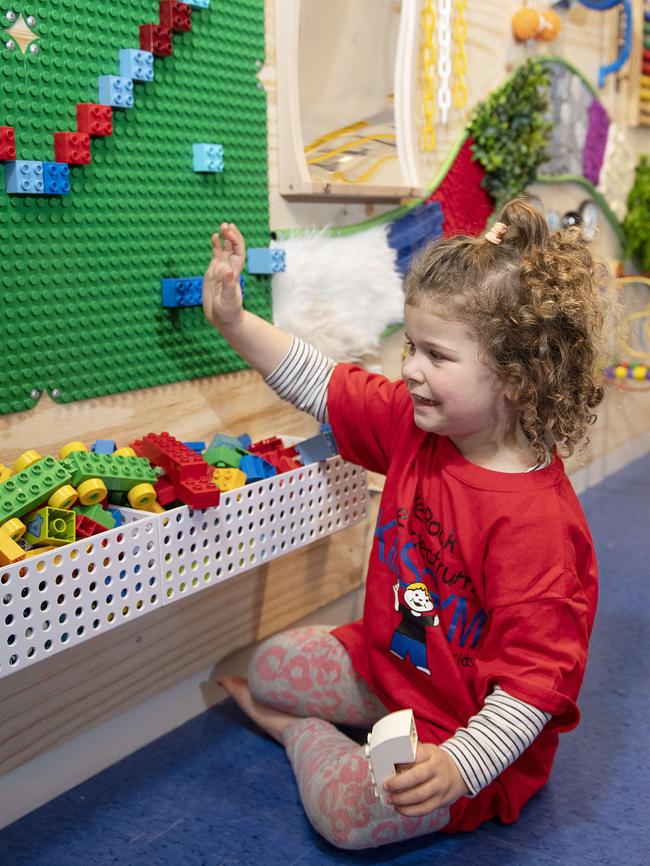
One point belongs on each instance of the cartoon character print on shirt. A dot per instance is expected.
(423, 560)
(409, 638)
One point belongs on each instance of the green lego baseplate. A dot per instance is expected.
(81, 276)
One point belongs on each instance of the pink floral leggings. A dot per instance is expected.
(308, 673)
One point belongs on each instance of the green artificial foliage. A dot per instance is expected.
(637, 220)
(510, 132)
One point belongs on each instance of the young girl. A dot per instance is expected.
(482, 582)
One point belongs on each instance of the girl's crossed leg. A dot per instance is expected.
(300, 681)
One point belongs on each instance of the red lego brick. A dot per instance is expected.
(165, 490)
(137, 447)
(264, 446)
(72, 147)
(198, 492)
(176, 16)
(157, 39)
(286, 464)
(7, 144)
(178, 460)
(281, 462)
(95, 119)
(86, 527)
(271, 457)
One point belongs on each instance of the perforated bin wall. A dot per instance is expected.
(258, 523)
(66, 596)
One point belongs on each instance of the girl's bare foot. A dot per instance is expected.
(274, 722)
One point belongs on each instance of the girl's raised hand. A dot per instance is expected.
(222, 297)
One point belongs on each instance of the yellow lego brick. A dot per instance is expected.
(153, 508)
(9, 550)
(228, 479)
(36, 551)
(5, 472)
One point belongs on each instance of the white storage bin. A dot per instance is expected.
(61, 598)
(257, 523)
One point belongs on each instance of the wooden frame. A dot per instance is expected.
(295, 180)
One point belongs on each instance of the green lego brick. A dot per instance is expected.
(223, 457)
(97, 513)
(51, 526)
(117, 473)
(31, 487)
(138, 212)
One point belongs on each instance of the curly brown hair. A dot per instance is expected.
(535, 304)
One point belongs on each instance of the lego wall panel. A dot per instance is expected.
(82, 265)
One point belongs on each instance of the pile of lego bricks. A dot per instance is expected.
(47, 502)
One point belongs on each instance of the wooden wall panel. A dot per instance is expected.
(53, 701)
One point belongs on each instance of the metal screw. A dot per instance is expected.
(56, 393)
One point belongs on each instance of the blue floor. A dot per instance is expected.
(215, 793)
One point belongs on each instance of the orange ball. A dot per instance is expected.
(526, 24)
(551, 25)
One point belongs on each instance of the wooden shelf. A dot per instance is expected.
(345, 191)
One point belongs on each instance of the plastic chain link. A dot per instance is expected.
(444, 58)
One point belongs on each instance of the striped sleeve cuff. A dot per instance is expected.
(494, 738)
(302, 378)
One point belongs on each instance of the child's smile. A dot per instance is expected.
(423, 401)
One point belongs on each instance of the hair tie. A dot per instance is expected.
(496, 233)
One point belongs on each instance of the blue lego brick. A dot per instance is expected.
(242, 286)
(182, 291)
(56, 178)
(24, 177)
(221, 440)
(412, 232)
(207, 157)
(117, 516)
(199, 447)
(115, 91)
(245, 440)
(317, 448)
(136, 65)
(198, 4)
(264, 260)
(255, 468)
(103, 446)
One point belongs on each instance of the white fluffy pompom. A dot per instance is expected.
(339, 293)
